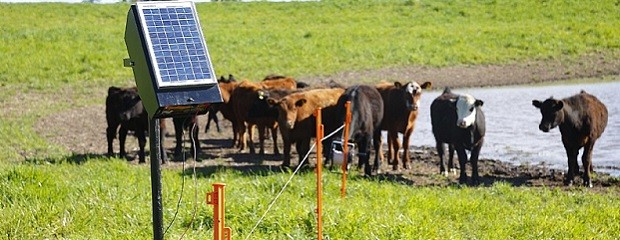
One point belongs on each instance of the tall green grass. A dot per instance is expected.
(78, 48)
(56, 56)
(81, 45)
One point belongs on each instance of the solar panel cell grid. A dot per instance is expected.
(179, 51)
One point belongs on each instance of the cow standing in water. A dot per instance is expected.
(582, 119)
(458, 121)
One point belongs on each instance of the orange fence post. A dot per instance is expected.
(217, 199)
(319, 167)
(345, 149)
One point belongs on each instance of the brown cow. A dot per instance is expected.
(249, 108)
(401, 103)
(214, 108)
(227, 86)
(296, 120)
(582, 119)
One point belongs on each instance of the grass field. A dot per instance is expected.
(56, 57)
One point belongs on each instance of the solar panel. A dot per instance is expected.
(175, 44)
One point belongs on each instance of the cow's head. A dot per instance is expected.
(411, 92)
(466, 110)
(230, 78)
(287, 110)
(551, 114)
(126, 101)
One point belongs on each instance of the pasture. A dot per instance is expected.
(59, 59)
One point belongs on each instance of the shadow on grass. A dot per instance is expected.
(247, 170)
(73, 159)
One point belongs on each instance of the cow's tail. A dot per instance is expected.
(355, 117)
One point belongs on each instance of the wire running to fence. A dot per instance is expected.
(289, 181)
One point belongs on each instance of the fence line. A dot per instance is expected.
(288, 182)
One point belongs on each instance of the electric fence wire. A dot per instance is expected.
(195, 154)
(273, 201)
(176, 212)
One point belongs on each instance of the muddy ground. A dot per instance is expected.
(216, 151)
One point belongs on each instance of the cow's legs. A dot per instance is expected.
(235, 136)
(441, 152)
(395, 149)
(212, 116)
(573, 166)
(390, 153)
(111, 134)
(250, 135)
(303, 147)
(460, 151)
(178, 135)
(122, 137)
(376, 140)
(406, 158)
(287, 152)
(141, 144)
(475, 152)
(586, 160)
(241, 138)
(364, 154)
(274, 136)
(261, 139)
(451, 167)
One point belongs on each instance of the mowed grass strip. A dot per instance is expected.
(58, 56)
(110, 199)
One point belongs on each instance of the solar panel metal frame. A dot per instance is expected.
(184, 56)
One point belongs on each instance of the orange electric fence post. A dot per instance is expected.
(319, 166)
(216, 198)
(345, 149)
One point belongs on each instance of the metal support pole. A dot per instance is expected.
(217, 199)
(155, 146)
(345, 149)
(319, 174)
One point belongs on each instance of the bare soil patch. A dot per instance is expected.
(82, 130)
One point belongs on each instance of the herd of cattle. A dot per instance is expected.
(280, 104)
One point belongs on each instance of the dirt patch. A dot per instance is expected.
(588, 66)
(82, 130)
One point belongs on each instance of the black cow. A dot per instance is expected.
(458, 120)
(186, 123)
(124, 108)
(582, 119)
(366, 115)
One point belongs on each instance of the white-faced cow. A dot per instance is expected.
(400, 104)
(458, 120)
(582, 119)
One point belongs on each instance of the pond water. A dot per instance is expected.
(512, 125)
